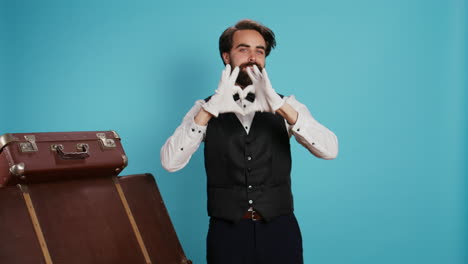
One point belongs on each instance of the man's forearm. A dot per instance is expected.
(288, 113)
(318, 139)
(203, 117)
(178, 149)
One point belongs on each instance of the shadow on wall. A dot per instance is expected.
(185, 81)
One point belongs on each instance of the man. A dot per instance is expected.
(246, 127)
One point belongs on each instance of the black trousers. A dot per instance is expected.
(278, 241)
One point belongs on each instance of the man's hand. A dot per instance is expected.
(266, 99)
(222, 101)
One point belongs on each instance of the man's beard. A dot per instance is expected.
(243, 79)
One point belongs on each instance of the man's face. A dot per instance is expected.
(248, 48)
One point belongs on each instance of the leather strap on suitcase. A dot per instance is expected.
(36, 225)
(132, 220)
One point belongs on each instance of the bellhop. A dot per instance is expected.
(246, 128)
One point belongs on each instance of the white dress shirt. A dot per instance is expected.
(179, 148)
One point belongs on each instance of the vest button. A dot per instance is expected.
(250, 202)
(249, 169)
(249, 158)
(250, 187)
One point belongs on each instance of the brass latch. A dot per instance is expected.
(29, 146)
(106, 143)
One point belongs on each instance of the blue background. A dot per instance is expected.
(388, 77)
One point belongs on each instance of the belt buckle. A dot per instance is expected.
(253, 216)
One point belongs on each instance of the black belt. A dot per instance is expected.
(252, 215)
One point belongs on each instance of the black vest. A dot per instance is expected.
(248, 170)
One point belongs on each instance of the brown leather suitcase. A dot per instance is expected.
(40, 157)
(93, 217)
(93, 220)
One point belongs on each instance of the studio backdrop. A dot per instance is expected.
(389, 78)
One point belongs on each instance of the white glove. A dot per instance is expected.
(222, 101)
(266, 99)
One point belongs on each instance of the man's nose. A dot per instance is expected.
(252, 57)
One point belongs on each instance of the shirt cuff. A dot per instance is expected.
(296, 128)
(195, 130)
(299, 129)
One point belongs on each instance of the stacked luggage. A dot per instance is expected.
(62, 201)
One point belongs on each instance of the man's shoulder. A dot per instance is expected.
(208, 98)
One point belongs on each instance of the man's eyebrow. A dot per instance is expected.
(243, 45)
(248, 46)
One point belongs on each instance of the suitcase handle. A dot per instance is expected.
(73, 155)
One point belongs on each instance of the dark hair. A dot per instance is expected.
(225, 40)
